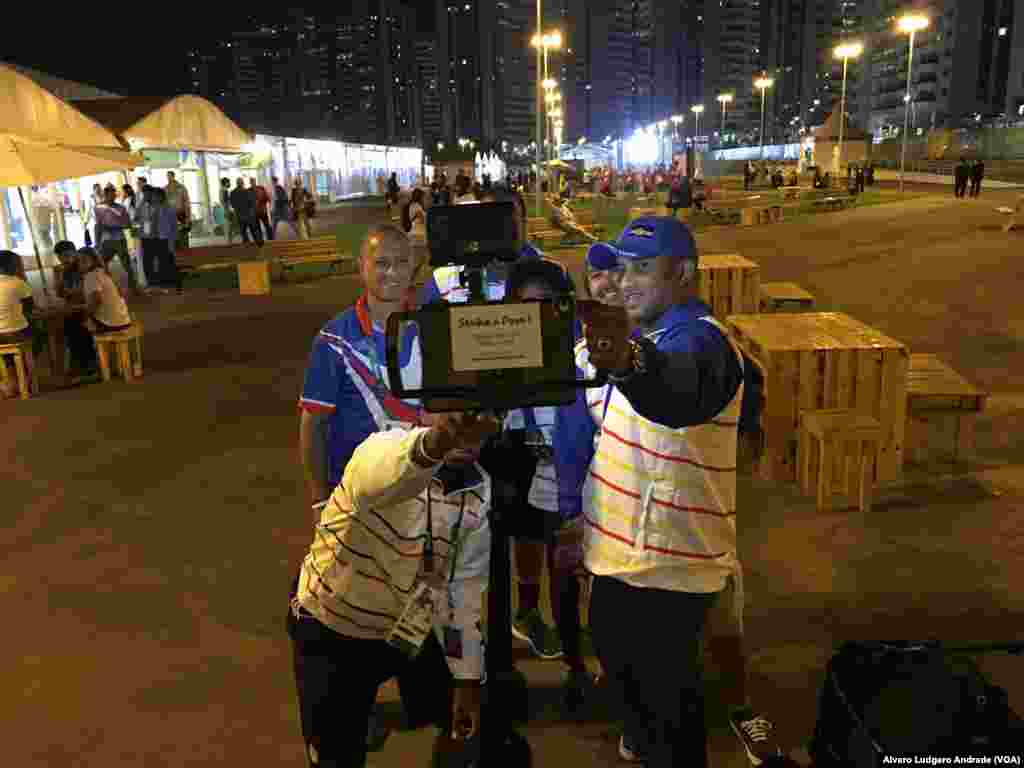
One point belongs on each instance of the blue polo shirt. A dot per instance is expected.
(347, 379)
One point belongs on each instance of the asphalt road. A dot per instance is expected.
(150, 531)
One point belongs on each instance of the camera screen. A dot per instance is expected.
(472, 234)
(495, 356)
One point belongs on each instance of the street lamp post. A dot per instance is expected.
(845, 52)
(724, 99)
(764, 83)
(911, 24)
(697, 109)
(540, 106)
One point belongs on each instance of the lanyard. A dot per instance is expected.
(453, 549)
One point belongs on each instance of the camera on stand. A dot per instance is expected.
(491, 356)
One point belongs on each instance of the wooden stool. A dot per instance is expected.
(785, 297)
(121, 341)
(828, 433)
(938, 397)
(23, 361)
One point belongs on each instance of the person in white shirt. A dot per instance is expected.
(15, 311)
(418, 232)
(393, 585)
(104, 303)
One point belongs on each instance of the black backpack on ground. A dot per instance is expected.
(903, 699)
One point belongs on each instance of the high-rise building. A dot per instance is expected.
(799, 39)
(732, 59)
(965, 67)
(300, 72)
(429, 80)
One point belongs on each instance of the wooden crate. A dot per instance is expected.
(785, 297)
(942, 408)
(254, 278)
(729, 284)
(824, 360)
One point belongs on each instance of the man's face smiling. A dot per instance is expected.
(387, 268)
(648, 287)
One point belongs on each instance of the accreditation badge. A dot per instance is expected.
(416, 620)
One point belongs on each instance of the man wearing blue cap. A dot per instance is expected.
(659, 495)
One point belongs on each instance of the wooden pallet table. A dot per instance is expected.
(825, 360)
(785, 297)
(942, 408)
(729, 284)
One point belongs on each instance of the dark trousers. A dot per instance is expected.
(960, 186)
(648, 642)
(79, 341)
(262, 219)
(119, 248)
(154, 251)
(975, 187)
(337, 678)
(250, 226)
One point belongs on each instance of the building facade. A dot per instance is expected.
(302, 72)
(968, 66)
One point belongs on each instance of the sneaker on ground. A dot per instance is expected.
(629, 752)
(529, 627)
(755, 734)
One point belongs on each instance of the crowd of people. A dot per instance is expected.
(251, 212)
(630, 491)
(966, 175)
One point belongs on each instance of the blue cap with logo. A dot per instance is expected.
(602, 257)
(651, 236)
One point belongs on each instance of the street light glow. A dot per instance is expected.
(764, 82)
(725, 98)
(549, 84)
(677, 119)
(552, 41)
(912, 23)
(697, 108)
(849, 51)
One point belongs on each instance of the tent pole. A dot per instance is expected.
(35, 241)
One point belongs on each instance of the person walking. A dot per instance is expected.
(676, 392)
(112, 220)
(300, 207)
(262, 204)
(391, 195)
(961, 174)
(243, 203)
(977, 176)
(177, 198)
(281, 210)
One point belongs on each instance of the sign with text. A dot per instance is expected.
(496, 336)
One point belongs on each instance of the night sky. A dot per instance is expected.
(121, 51)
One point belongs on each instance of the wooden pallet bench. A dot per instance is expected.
(832, 203)
(824, 360)
(729, 284)
(317, 250)
(942, 408)
(785, 297)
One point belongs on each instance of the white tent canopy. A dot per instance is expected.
(34, 113)
(181, 122)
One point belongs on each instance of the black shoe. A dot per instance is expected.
(579, 685)
(376, 735)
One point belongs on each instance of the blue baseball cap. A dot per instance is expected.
(651, 236)
(602, 257)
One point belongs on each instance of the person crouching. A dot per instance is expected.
(393, 585)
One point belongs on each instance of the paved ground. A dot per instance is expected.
(151, 530)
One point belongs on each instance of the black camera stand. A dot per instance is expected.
(500, 743)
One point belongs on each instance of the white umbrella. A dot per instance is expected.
(34, 125)
(24, 161)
